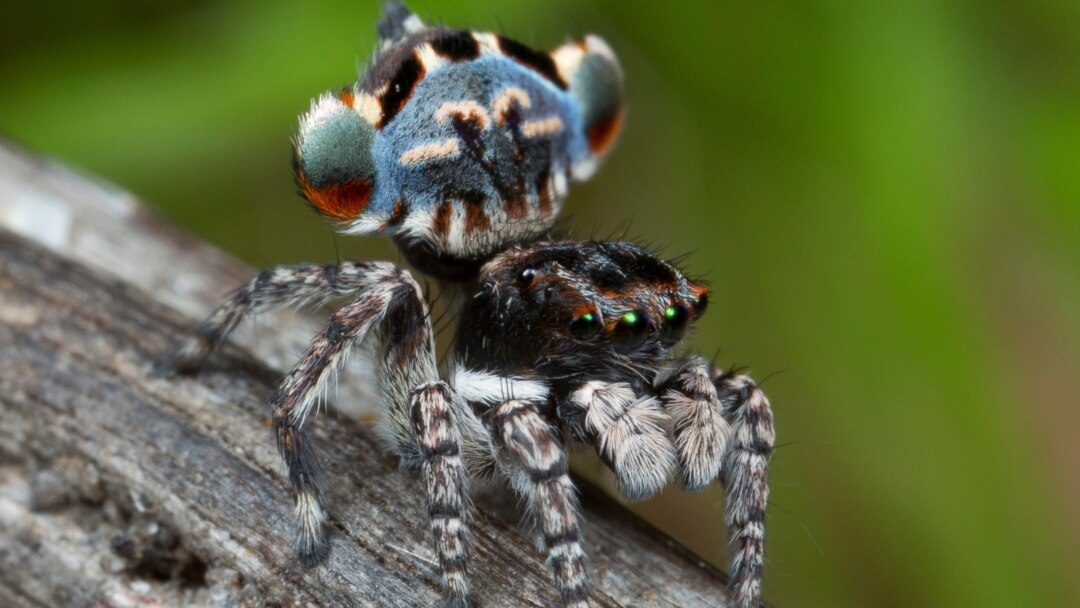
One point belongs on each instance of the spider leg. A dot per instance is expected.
(700, 430)
(299, 285)
(300, 390)
(723, 428)
(420, 412)
(539, 472)
(439, 438)
(746, 480)
(628, 433)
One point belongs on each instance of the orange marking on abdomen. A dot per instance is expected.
(347, 97)
(341, 202)
(602, 134)
(546, 202)
(476, 219)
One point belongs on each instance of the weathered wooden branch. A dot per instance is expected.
(122, 488)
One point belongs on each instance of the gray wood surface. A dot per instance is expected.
(121, 488)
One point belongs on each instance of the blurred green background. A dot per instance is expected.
(885, 197)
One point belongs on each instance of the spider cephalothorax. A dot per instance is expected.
(595, 310)
(461, 145)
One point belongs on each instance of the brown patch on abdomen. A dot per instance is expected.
(515, 207)
(346, 97)
(543, 194)
(476, 219)
(440, 223)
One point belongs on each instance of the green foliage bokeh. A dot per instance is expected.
(884, 196)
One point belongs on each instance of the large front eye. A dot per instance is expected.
(586, 326)
(676, 317)
(630, 331)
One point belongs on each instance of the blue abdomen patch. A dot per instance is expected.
(458, 143)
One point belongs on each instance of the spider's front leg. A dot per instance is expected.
(627, 432)
(724, 427)
(538, 469)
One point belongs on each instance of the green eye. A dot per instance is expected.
(586, 326)
(675, 322)
(630, 331)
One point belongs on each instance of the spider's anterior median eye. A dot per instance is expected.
(586, 326)
(630, 331)
(675, 321)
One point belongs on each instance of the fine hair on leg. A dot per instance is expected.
(439, 439)
(306, 384)
(746, 481)
(298, 285)
(537, 466)
(701, 433)
(628, 434)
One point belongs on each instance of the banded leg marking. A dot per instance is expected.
(297, 395)
(540, 474)
(439, 438)
(299, 285)
(746, 481)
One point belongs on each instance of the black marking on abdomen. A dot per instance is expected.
(456, 46)
(400, 88)
(539, 61)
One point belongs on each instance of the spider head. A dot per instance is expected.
(596, 309)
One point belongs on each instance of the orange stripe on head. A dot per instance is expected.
(584, 309)
(700, 301)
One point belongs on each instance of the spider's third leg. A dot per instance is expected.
(746, 480)
(299, 285)
(540, 474)
(628, 433)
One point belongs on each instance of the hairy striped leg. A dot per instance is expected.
(420, 414)
(700, 431)
(439, 438)
(628, 433)
(746, 480)
(299, 285)
(538, 469)
(380, 287)
(723, 428)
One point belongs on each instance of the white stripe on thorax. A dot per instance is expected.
(491, 388)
